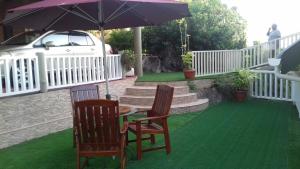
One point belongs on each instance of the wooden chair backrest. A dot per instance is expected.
(84, 92)
(163, 100)
(97, 122)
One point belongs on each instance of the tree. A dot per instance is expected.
(213, 26)
(121, 39)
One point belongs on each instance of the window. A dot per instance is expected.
(80, 39)
(56, 39)
(23, 38)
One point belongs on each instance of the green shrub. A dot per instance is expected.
(187, 60)
(242, 79)
(127, 59)
(121, 40)
(224, 85)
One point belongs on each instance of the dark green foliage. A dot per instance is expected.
(121, 39)
(192, 86)
(128, 59)
(213, 26)
(187, 60)
(156, 39)
(225, 86)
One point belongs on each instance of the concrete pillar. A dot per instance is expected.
(42, 72)
(137, 36)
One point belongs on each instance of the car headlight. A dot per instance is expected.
(4, 54)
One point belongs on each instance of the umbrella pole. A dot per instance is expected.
(108, 96)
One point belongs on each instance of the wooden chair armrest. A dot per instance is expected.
(150, 118)
(142, 111)
(125, 128)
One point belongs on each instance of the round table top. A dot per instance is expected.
(124, 109)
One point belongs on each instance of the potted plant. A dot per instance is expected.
(189, 72)
(241, 82)
(128, 62)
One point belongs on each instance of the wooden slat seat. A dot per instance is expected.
(80, 93)
(155, 122)
(146, 128)
(97, 128)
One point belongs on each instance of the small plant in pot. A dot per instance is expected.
(241, 82)
(189, 72)
(127, 61)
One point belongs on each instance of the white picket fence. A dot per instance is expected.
(216, 62)
(70, 71)
(223, 61)
(268, 86)
(20, 75)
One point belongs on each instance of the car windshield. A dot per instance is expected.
(23, 38)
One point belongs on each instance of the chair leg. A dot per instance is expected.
(167, 138)
(123, 160)
(74, 138)
(152, 138)
(126, 138)
(139, 145)
(87, 162)
(78, 161)
(74, 132)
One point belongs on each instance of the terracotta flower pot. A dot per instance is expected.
(241, 95)
(189, 74)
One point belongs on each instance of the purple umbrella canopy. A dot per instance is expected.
(95, 14)
(84, 14)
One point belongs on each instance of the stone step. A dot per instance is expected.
(150, 90)
(148, 100)
(194, 106)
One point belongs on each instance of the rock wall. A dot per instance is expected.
(205, 89)
(26, 117)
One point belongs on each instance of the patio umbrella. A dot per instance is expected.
(290, 58)
(95, 14)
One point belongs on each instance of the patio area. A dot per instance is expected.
(257, 134)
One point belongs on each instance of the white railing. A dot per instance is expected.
(76, 70)
(224, 61)
(296, 95)
(19, 75)
(258, 55)
(268, 86)
(216, 62)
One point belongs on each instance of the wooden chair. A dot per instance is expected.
(80, 93)
(98, 130)
(155, 122)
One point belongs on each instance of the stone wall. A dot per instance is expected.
(205, 88)
(31, 116)
(26, 117)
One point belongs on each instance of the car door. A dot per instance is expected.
(86, 53)
(57, 51)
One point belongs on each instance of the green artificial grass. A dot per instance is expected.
(169, 77)
(161, 77)
(256, 134)
(294, 141)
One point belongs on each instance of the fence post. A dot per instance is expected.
(42, 72)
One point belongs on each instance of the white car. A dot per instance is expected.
(51, 43)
